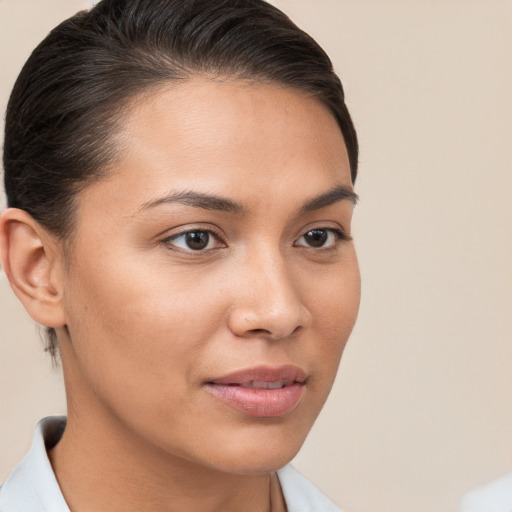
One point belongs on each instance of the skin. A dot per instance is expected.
(144, 322)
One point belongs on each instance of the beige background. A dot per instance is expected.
(421, 410)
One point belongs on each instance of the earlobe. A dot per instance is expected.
(32, 265)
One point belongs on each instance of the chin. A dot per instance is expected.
(259, 452)
(257, 464)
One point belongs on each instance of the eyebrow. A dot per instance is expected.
(218, 203)
(198, 200)
(336, 194)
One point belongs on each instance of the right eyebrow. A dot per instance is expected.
(198, 200)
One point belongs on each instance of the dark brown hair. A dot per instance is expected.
(76, 85)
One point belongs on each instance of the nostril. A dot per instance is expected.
(297, 329)
(260, 332)
(274, 335)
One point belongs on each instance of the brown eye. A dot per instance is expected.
(197, 240)
(194, 241)
(316, 237)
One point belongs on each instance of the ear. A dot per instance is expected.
(33, 265)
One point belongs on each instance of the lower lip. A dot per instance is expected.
(261, 403)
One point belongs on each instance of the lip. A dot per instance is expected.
(262, 391)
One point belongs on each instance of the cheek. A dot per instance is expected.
(134, 330)
(130, 298)
(334, 303)
(336, 296)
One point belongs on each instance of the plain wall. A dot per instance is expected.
(421, 410)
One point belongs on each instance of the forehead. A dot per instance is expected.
(231, 138)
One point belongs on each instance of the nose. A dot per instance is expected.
(267, 301)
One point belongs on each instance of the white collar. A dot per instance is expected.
(32, 485)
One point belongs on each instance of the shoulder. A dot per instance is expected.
(301, 495)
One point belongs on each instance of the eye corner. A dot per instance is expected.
(346, 237)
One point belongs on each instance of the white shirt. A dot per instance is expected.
(32, 486)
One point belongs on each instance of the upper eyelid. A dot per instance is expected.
(187, 231)
(183, 231)
(339, 230)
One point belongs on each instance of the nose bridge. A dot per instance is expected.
(269, 303)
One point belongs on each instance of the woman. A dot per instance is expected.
(180, 179)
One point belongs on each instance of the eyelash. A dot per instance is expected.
(337, 233)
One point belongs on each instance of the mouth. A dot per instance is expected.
(262, 384)
(262, 391)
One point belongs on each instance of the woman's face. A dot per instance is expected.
(212, 282)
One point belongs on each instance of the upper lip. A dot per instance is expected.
(287, 373)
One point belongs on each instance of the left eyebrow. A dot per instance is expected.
(336, 194)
